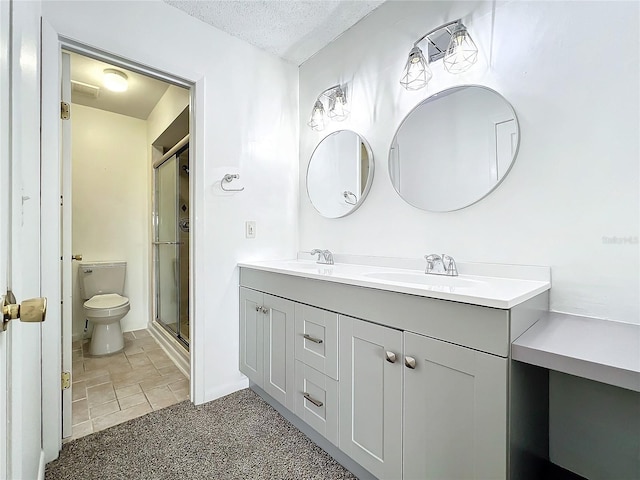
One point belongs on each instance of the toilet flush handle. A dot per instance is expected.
(77, 256)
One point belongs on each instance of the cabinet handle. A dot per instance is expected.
(390, 357)
(311, 339)
(258, 308)
(317, 403)
(410, 362)
(265, 310)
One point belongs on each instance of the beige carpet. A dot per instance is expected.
(235, 437)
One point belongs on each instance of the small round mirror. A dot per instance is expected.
(339, 174)
(454, 148)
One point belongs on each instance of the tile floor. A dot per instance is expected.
(113, 389)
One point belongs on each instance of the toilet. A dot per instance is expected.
(102, 285)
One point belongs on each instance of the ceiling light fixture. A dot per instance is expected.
(450, 41)
(337, 107)
(115, 80)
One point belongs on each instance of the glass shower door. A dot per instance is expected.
(167, 247)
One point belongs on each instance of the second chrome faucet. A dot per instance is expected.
(325, 257)
(441, 265)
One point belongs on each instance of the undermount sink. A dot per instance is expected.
(424, 279)
(308, 266)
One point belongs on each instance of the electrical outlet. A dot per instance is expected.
(250, 229)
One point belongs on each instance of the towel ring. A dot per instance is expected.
(228, 178)
(347, 197)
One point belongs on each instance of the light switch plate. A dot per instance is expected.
(250, 229)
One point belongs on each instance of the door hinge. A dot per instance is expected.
(65, 380)
(65, 111)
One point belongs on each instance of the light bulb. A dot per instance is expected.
(461, 52)
(115, 80)
(338, 109)
(318, 118)
(416, 72)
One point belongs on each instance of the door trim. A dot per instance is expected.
(52, 43)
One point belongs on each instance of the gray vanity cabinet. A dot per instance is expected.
(266, 344)
(406, 387)
(370, 394)
(455, 411)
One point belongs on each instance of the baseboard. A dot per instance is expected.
(176, 352)
(332, 450)
(221, 391)
(42, 465)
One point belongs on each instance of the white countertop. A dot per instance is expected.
(601, 350)
(488, 291)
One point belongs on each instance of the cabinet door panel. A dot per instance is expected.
(455, 412)
(251, 336)
(321, 326)
(278, 350)
(371, 396)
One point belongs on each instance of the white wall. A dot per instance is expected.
(246, 121)
(110, 213)
(574, 185)
(576, 177)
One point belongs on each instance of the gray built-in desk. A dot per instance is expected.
(600, 350)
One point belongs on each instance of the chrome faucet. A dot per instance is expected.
(325, 257)
(441, 265)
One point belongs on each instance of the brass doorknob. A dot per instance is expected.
(32, 310)
(77, 256)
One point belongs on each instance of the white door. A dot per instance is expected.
(5, 22)
(20, 345)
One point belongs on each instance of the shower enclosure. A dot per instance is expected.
(171, 241)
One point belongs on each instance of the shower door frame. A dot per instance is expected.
(178, 148)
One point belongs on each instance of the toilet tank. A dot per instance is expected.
(96, 278)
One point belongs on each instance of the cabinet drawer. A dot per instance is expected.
(316, 401)
(316, 342)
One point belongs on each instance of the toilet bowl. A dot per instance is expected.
(102, 285)
(105, 312)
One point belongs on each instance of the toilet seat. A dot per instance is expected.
(106, 305)
(107, 300)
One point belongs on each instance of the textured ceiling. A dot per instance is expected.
(138, 101)
(291, 29)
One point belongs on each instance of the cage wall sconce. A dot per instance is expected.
(337, 107)
(451, 42)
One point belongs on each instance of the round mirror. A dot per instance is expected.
(454, 148)
(339, 174)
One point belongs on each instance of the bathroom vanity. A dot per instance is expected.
(405, 374)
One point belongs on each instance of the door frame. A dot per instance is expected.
(52, 44)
